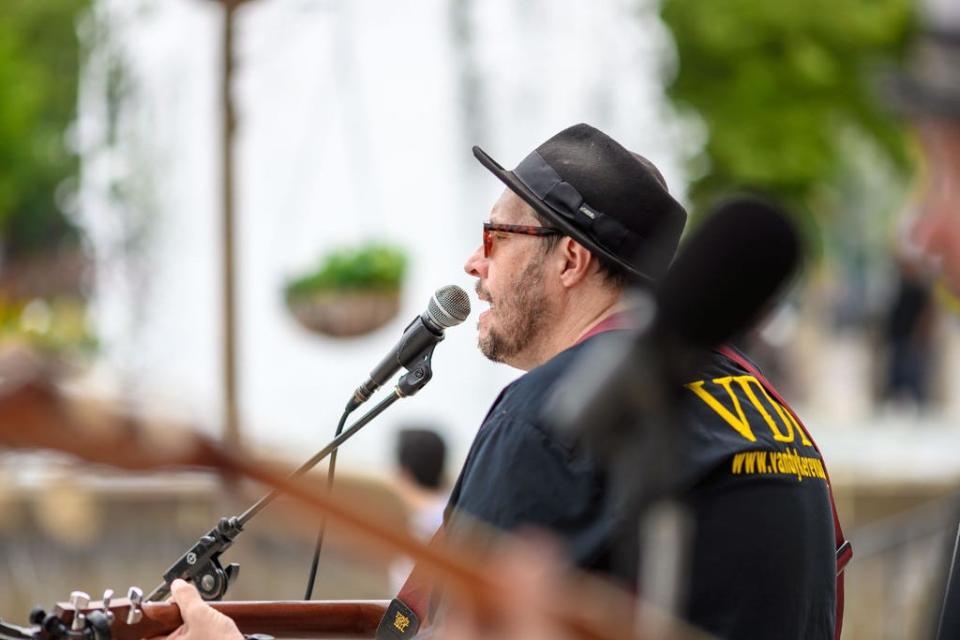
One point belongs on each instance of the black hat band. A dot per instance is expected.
(538, 176)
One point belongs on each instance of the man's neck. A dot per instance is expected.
(574, 321)
(592, 320)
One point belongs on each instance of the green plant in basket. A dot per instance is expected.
(352, 291)
(377, 267)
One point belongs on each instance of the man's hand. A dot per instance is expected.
(200, 620)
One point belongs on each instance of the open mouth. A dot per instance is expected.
(489, 308)
(484, 299)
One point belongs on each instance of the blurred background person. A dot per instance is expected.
(909, 330)
(420, 480)
(928, 91)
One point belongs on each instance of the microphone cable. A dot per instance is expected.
(331, 471)
(449, 306)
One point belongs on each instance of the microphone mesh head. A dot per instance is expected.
(449, 306)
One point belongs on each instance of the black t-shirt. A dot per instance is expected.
(763, 562)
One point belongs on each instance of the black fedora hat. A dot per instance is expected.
(608, 199)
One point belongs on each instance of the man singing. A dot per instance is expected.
(581, 221)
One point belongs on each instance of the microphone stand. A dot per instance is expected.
(201, 564)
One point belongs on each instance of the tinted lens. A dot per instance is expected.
(487, 242)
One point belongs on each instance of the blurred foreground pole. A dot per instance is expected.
(928, 90)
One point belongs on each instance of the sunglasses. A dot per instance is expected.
(489, 228)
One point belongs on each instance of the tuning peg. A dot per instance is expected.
(107, 598)
(37, 616)
(79, 600)
(135, 595)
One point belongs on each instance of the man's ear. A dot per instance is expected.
(578, 262)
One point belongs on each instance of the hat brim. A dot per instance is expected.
(558, 220)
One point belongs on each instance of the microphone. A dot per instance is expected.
(725, 276)
(728, 273)
(448, 307)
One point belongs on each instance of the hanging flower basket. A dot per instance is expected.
(344, 314)
(352, 292)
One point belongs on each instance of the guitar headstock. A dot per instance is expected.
(109, 618)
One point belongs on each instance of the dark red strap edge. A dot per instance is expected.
(614, 322)
(844, 548)
(418, 588)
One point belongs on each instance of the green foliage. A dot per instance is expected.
(39, 69)
(52, 328)
(777, 83)
(371, 266)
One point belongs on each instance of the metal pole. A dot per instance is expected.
(231, 433)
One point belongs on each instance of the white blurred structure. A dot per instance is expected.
(356, 122)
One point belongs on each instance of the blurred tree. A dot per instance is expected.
(41, 292)
(39, 68)
(780, 87)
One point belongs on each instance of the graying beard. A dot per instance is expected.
(498, 348)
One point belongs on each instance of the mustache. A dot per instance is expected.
(481, 292)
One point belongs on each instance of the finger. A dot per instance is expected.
(187, 598)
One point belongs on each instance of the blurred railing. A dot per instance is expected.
(111, 530)
(896, 582)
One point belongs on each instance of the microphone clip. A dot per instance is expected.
(201, 564)
(418, 375)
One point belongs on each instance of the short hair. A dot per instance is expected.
(422, 453)
(613, 274)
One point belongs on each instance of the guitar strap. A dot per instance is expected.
(410, 609)
(844, 548)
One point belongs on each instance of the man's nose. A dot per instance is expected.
(476, 264)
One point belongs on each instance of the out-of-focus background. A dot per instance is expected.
(221, 214)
